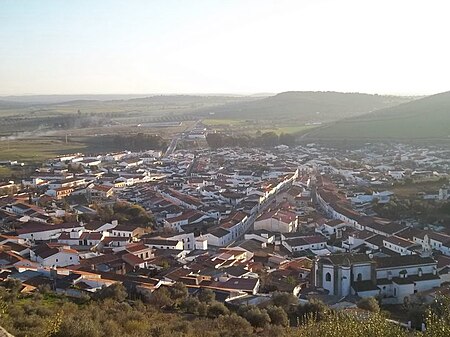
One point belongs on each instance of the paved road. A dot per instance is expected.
(172, 146)
(261, 210)
(174, 142)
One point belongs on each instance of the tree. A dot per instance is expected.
(14, 285)
(269, 139)
(105, 213)
(233, 326)
(287, 139)
(278, 316)
(216, 309)
(337, 325)
(315, 309)
(284, 300)
(202, 309)
(416, 315)
(161, 298)
(369, 304)
(258, 318)
(115, 291)
(131, 213)
(190, 305)
(214, 140)
(178, 292)
(206, 296)
(437, 318)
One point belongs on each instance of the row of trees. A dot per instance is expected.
(173, 312)
(133, 142)
(136, 142)
(267, 139)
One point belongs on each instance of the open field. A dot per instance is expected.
(32, 150)
(253, 126)
(291, 129)
(5, 171)
(34, 147)
(27, 116)
(223, 122)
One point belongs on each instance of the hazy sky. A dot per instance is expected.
(228, 46)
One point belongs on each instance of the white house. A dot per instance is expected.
(218, 237)
(162, 243)
(43, 232)
(280, 221)
(434, 241)
(298, 244)
(400, 245)
(54, 256)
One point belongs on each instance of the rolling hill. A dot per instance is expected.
(156, 105)
(306, 106)
(422, 119)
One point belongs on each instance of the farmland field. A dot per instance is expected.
(291, 129)
(36, 149)
(219, 122)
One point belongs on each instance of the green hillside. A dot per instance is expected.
(423, 119)
(152, 105)
(306, 106)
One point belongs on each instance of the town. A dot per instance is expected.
(242, 223)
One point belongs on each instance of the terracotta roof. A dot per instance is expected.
(136, 247)
(132, 259)
(103, 188)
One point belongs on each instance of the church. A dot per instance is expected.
(393, 279)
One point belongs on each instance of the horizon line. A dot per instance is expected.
(215, 93)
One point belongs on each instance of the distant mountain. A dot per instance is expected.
(425, 118)
(307, 106)
(76, 99)
(12, 104)
(52, 99)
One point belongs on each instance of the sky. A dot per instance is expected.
(223, 46)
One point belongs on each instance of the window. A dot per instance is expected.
(328, 277)
(71, 257)
(56, 260)
(359, 277)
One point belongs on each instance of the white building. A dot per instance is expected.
(394, 278)
(54, 256)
